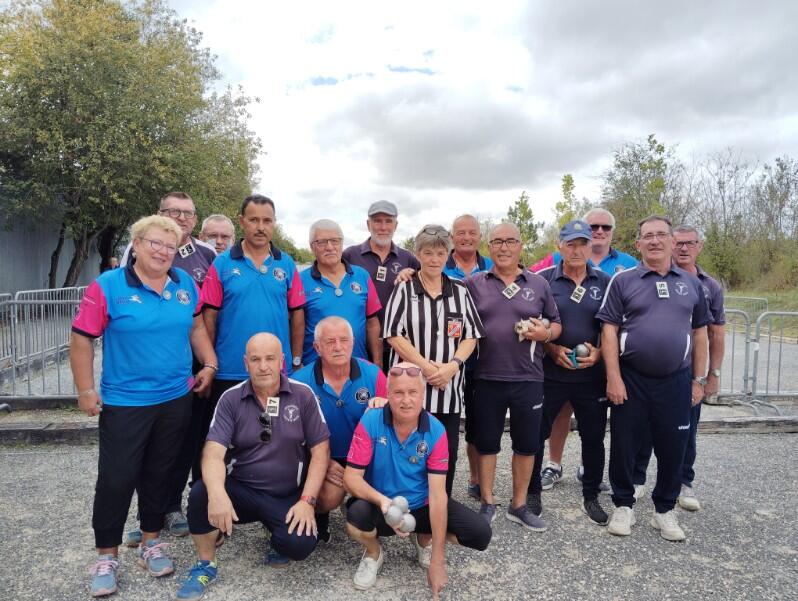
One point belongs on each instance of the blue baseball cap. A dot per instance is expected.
(575, 229)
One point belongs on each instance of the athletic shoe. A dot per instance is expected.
(524, 516)
(640, 491)
(153, 558)
(175, 522)
(474, 492)
(275, 560)
(668, 526)
(488, 512)
(534, 503)
(595, 513)
(104, 571)
(580, 473)
(424, 554)
(133, 538)
(687, 499)
(367, 570)
(550, 476)
(200, 576)
(623, 518)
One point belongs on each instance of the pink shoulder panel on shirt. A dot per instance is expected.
(438, 460)
(212, 293)
(296, 292)
(92, 315)
(546, 261)
(361, 450)
(373, 304)
(382, 385)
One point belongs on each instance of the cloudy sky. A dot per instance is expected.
(450, 107)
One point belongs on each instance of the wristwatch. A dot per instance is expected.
(715, 372)
(458, 360)
(309, 500)
(297, 361)
(701, 380)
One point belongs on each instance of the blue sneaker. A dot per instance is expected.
(488, 512)
(104, 571)
(133, 538)
(200, 576)
(175, 522)
(153, 558)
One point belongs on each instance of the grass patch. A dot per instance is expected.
(778, 300)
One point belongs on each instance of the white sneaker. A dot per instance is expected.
(366, 574)
(621, 522)
(640, 490)
(424, 554)
(687, 499)
(668, 526)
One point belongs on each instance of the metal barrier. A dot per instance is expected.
(734, 374)
(754, 306)
(774, 338)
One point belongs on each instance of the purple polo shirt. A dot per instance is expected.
(397, 259)
(714, 294)
(656, 316)
(501, 356)
(277, 468)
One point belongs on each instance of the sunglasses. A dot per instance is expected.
(600, 226)
(413, 372)
(436, 230)
(266, 421)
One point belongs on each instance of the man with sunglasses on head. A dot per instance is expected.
(267, 435)
(401, 450)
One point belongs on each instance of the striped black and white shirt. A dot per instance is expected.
(435, 328)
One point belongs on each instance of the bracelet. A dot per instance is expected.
(213, 367)
(458, 360)
(88, 390)
(548, 337)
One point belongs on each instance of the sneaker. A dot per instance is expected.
(534, 503)
(580, 473)
(153, 558)
(200, 576)
(687, 499)
(274, 559)
(623, 518)
(424, 554)
(640, 491)
(104, 571)
(550, 476)
(488, 512)
(595, 513)
(668, 526)
(325, 536)
(133, 538)
(524, 516)
(366, 574)
(175, 522)
(474, 492)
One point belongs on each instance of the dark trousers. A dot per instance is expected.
(470, 529)
(591, 421)
(138, 448)
(252, 505)
(205, 409)
(688, 473)
(658, 407)
(469, 396)
(451, 421)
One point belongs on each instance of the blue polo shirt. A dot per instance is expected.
(343, 411)
(614, 262)
(579, 323)
(453, 270)
(655, 315)
(250, 299)
(399, 468)
(146, 347)
(355, 300)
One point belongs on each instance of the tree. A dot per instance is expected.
(104, 108)
(522, 216)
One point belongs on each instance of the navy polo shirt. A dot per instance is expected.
(714, 294)
(343, 411)
(453, 270)
(501, 356)
(579, 323)
(250, 299)
(656, 316)
(399, 468)
(277, 468)
(146, 346)
(355, 300)
(397, 259)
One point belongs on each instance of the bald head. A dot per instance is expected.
(263, 341)
(264, 362)
(405, 393)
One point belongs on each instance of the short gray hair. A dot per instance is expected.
(217, 217)
(462, 217)
(601, 211)
(651, 218)
(324, 224)
(433, 235)
(686, 228)
(332, 319)
(503, 223)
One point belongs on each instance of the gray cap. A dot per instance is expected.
(383, 206)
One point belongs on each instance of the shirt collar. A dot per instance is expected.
(423, 419)
(134, 280)
(365, 248)
(613, 253)
(559, 273)
(525, 273)
(316, 274)
(452, 264)
(247, 392)
(447, 287)
(237, 251)
(701, 273)
(354, 371)
(643, 270)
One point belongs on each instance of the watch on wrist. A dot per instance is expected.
(715, 372)
(458, 360)
(296, 361)
(309, 500)
(701, 380)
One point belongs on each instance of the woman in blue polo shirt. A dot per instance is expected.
(148, 316)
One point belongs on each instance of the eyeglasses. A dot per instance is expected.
(157, 246)
(687, 243)
(413, 372)
(334, 242)
(600, 226)
(266, 421)
(175, 213)
(437, 230)
(658, 235)
(509, 242)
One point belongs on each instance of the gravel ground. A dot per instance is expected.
(742, 545)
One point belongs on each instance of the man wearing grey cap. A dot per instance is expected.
(380, 256)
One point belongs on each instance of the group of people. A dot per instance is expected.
(282, 395)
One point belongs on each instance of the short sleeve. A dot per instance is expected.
(212, 294)
(716, 305)
(198, 296)
(373, 304)
(701, 314)
(473, 324)
(222, 424)
(550, 309)
(313, 424)
(382, 385)
(611, 310)
(438, 459)
(296, 292)
(395, 312)
(92, 316)
(361, 450)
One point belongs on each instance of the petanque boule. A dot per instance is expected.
(581, 350)
(546, 322)
(394, 516)
(401, 503)
(408, 523)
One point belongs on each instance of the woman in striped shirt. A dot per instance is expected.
(431, 321)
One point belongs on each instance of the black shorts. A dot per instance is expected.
(492, 400)
(468, 405)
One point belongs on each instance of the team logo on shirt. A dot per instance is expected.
(396, 268)
(291, 413)
(235, 271)
(279, 274)
(318, 290)
(681, 288)
(182, 297)
(383, 440)
(527, 294)
(595, 293)
(356, 288)
(199, 274)
(362, 395)
(422, 449)
(135, 299)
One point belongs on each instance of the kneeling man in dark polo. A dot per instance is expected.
(266, 429)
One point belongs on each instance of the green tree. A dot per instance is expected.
(522, 216)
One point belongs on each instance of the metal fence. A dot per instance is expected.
(753, 306)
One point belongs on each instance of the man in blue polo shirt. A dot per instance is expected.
(654, 346)
(333, 286)
(345, 386)
(578, 290)
(401, 450)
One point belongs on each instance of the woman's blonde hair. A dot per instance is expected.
(145, 224)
